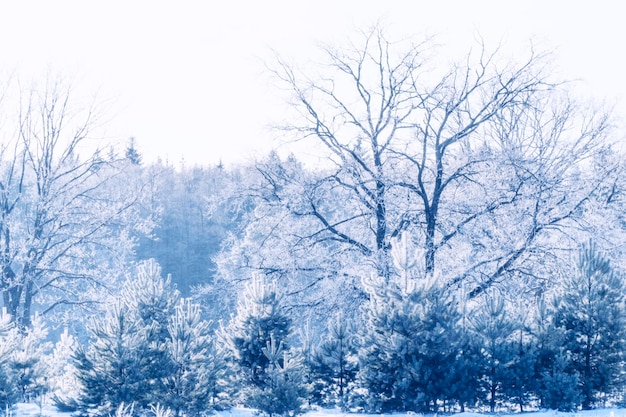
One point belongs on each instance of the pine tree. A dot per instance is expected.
(591, 313)
(560, 385)
(493, 331)
(440, 345)
(388, 353)
(409, 347)
(261, 317)
(257, 336)
(64, 385)
(127, 360)
(110, 371)
(30, 372)
(9, 336)
(152, 348)
(151, 301)
(283, 391)
(521, 384)
(198, 366)
(557, 383)
(132, 154)
(334, 364)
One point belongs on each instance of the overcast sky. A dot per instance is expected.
(185, 78)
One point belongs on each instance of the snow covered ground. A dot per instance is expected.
(32, 410)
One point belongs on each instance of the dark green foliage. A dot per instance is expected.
(132, 154)
(556, 383)
(22, 372)
(521, 384)
(465, 374)
(197, 365)
(560, 385)
(261, 317)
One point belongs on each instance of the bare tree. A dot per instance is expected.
(61, 220)
(477, 162)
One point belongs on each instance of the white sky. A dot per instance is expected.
(186, 77)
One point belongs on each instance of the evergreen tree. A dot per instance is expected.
(557, 383)
(560, 385)
(261, 319)
(464, 376)
(388, 353)
(198, 366)
(441, 342)
(30, 371)
(132, 154)
(110, 371)
(409, 348)
(261, 316)
(284, 391)
(64, 385)
(591, 313)
(128, 360)
(334, 364)
(493, 330)
(8, 341)
(151, 302)
(521, 384)
(152, 348)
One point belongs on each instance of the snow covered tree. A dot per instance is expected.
(557, 385)
(151, 301)
(27, 361)
(127, 360)
(261, 318)
(494, 330)
(521, 383)
(152, 348)
(284, 391)
(484, 162)
(198, 365)
(409, 347)
(110, 370)
(64, 384)
(591, 313)
(23, 371)
(9, 337)
(334, 363)
(63, 222)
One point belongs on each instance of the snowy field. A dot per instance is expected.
(32, 410)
